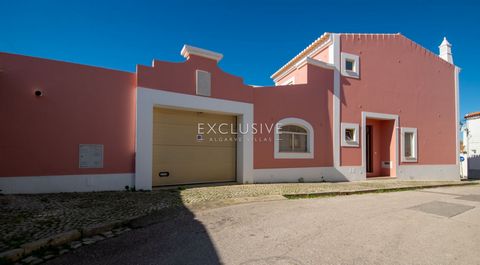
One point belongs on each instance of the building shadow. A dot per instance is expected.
(473, 167)
(169, 236)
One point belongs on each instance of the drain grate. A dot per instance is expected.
(445, 209)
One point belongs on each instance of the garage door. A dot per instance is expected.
(180, 158)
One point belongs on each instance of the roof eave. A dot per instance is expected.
(304, 53)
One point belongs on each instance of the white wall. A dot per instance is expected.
(471, 140)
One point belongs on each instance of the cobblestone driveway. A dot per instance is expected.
(25, 218)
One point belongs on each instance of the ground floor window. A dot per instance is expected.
(409, 144)
(293, 139)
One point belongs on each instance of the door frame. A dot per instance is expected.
(148, 98)
(378, 116)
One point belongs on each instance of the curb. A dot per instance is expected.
(353, 192)
(24, 250)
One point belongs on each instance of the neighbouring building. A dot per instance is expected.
(471, 142)
(346, 108)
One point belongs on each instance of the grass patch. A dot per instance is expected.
(380, 190)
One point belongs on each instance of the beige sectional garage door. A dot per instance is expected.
(178, 154)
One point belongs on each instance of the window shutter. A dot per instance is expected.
(204, 83)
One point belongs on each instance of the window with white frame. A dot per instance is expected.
(293, 139)
(350, 134)
(409, 144)
(350, 64)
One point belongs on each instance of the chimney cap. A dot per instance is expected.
(187, 50)
(445, 42)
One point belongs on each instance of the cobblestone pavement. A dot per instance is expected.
(25, 218)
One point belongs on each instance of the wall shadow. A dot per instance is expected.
(168, 236)
(473, 167)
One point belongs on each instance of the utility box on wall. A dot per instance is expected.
(90, 156)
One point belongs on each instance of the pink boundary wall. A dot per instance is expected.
(81, 104)
(90, 105)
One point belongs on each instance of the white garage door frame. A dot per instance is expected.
(148, 98)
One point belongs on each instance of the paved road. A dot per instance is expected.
(436, 226)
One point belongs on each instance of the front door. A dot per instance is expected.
(368, 147)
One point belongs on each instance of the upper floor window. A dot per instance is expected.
(350, 65)
(294, 139)
(350, 134)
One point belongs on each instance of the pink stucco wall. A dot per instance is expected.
(81, 105)
(322, 55)
(90, 105)
(300, 76)
(399, 77)
(180, 78)
(311, 102)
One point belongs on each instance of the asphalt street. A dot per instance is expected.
(434, 226)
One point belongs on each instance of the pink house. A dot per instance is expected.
(346, 108)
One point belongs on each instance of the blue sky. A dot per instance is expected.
(256, 37)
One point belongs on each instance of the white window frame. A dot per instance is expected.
(356, 65)
(293, 155)
(356, 136)
(405, 159)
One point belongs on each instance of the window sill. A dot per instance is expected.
(409, 160)
(351, 74)
(350, 144)
(285, 155)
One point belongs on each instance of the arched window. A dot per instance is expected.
(293, 139)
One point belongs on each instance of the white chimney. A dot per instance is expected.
(446, 51)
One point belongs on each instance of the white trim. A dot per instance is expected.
(428, 172)
(290, 81)
(315, 62)
(457, 113)
(413, 159)
(356, 140)
(291, 69)
(188, 50)
(310, 136)
(320, 63)
(356, 65)
(307, 174)
(334, 56)
(323, 41)
(303, 62)
(378, 116)
(148, 98)
(66, 183)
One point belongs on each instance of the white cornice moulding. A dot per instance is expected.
(318, 63)
(300, 64)
(321, 43)
(188, 50)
